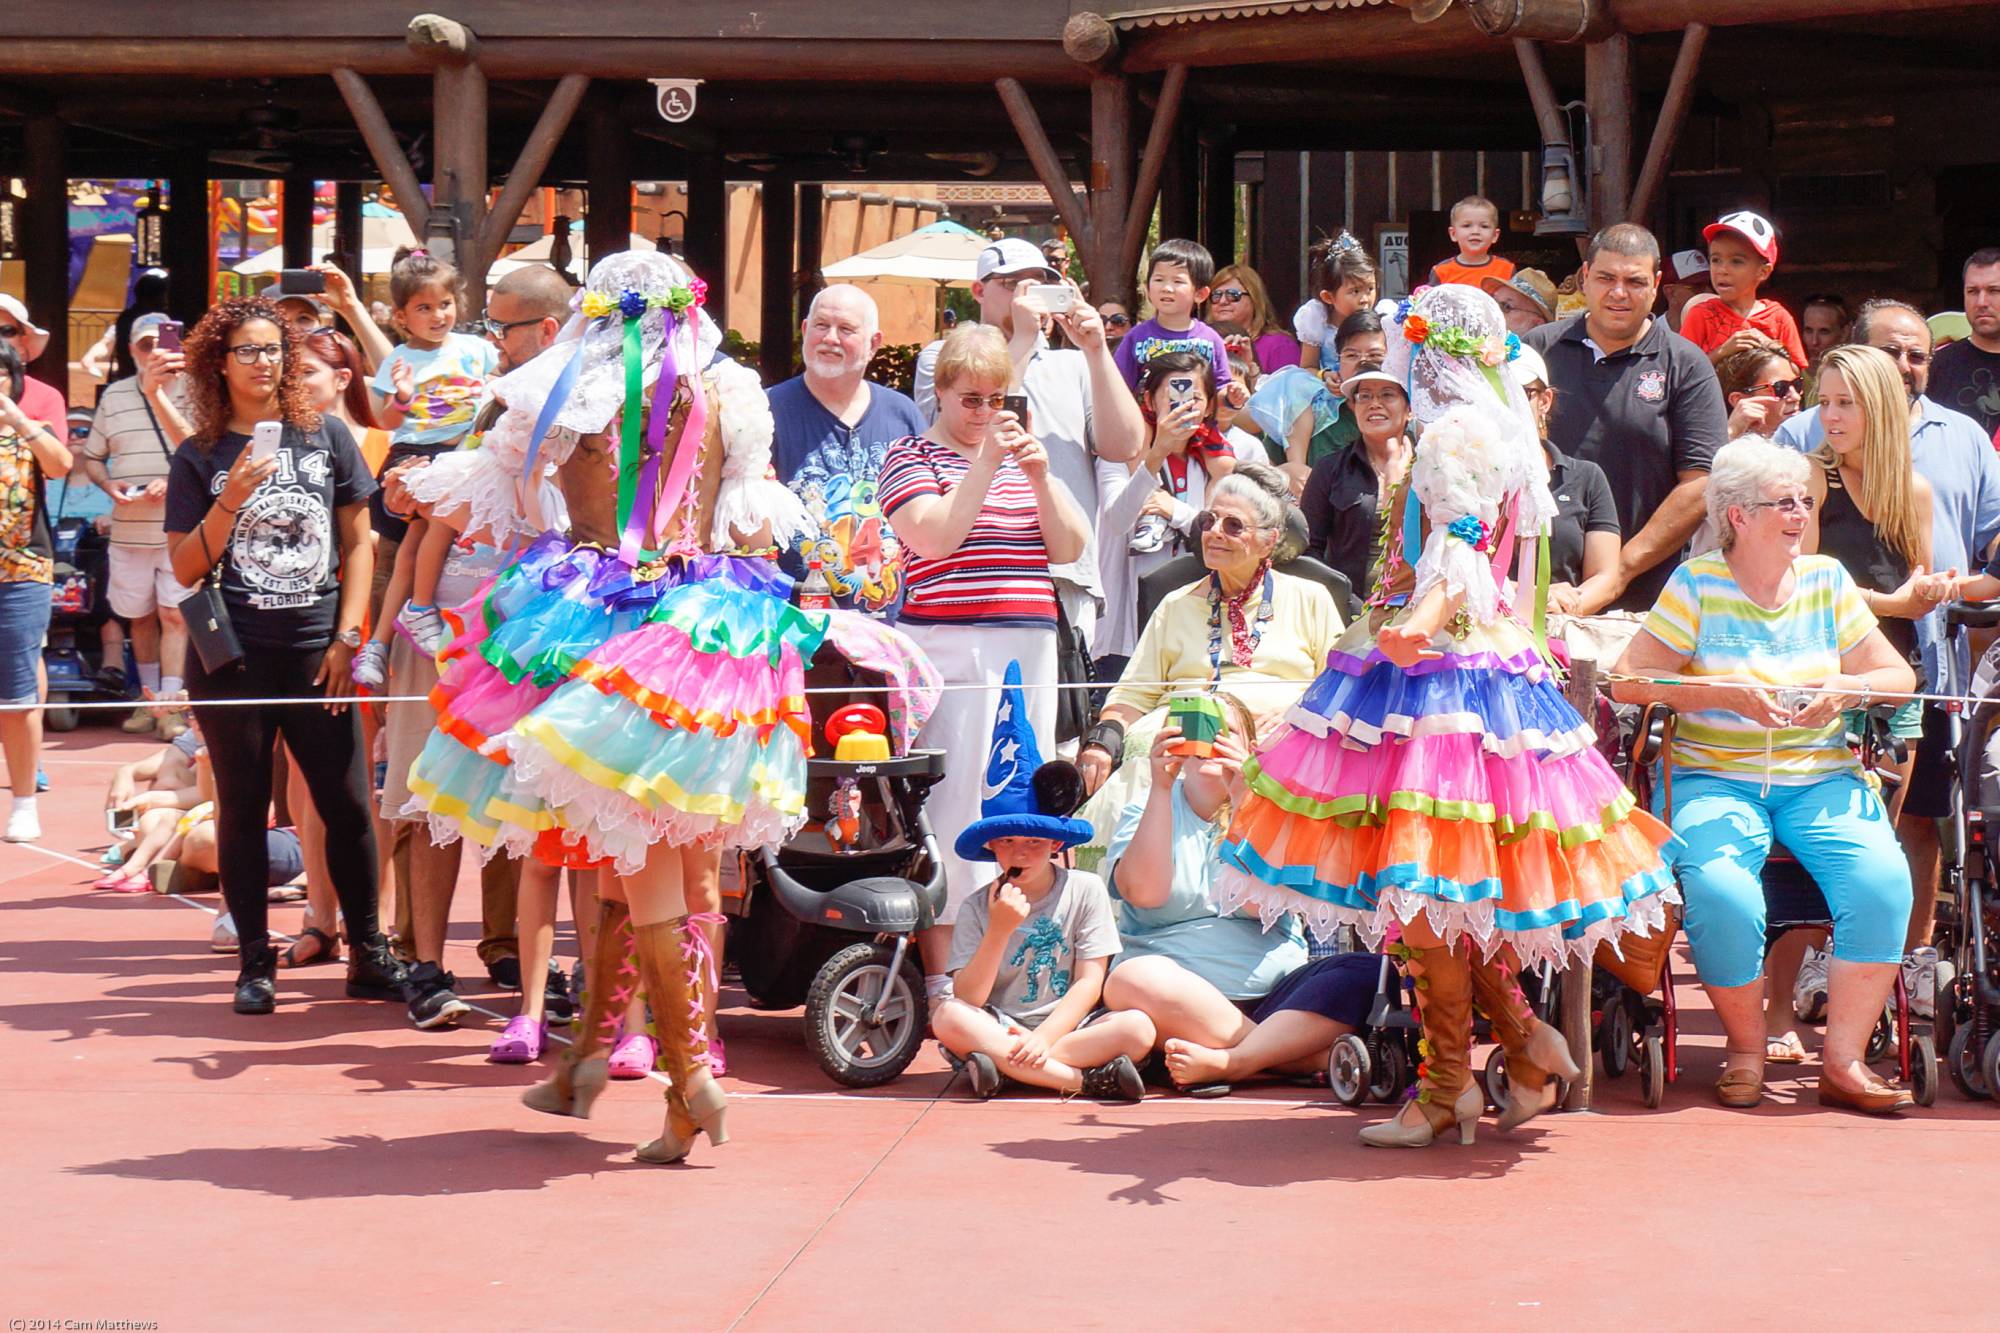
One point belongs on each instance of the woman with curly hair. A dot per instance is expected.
(285, 532)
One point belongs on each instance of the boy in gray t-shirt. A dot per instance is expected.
(1029, 955)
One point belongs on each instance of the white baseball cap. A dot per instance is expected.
(1752, 227)
(1370, 375)
(34, 338)
(1687, 265)
(1527, 367)
(1012, 254)
(148, 326)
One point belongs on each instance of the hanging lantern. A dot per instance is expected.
(149, 231)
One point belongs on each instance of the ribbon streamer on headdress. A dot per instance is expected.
(545, 420)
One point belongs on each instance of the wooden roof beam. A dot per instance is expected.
(390, 159)
(1042, 155)
(1673, 115)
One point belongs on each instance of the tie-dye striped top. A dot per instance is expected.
(1703, 613)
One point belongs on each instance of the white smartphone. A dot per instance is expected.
(264, 439)
(1054, 298)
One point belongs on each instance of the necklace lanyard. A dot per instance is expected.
(1254, 632)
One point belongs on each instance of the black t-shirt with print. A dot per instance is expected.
(1966, 379)
(281, 571)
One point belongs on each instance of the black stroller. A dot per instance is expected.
(1967, 1022)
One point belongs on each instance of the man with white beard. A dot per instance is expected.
(832, 428)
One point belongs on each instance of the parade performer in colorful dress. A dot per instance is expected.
(1434, 783)
(629, 694)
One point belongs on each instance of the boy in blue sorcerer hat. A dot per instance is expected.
(1030, 952)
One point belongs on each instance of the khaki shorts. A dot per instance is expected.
(142, 581)
(405, 727)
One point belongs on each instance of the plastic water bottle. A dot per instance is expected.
(816, 593)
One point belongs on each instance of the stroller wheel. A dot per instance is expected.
(1349, 1070)
(852, 1049)
(1923, 1070)
(1496, 1079)
(1962, 1063)
(1392, 1069)
(1989, 1064)
(1614, 1038)
(1652, 1070)
(1883, 1038)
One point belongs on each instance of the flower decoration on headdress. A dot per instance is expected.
(1455, 341)
(634, 304)
(1417, 329)
(1469, 530)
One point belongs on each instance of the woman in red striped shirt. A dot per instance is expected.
(980, 520)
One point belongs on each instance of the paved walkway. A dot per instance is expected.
(331, 1168)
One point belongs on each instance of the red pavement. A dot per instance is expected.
(333, 1168)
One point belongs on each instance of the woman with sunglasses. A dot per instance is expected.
(286, 532)
(1760, 647)
(981, 521)
(1759, 382)
(1117, 321)
(1237, 296)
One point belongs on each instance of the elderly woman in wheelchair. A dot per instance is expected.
(1759, 649)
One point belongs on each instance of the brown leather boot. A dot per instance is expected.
(1446, 1093)
(609, 983)
(1534, 1049)
(680, 973)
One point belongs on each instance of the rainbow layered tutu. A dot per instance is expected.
(1466, 788)
(588, 709)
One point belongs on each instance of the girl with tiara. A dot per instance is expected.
(1434, 783)
(628, 692)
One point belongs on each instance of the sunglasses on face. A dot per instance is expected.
(1908, 355)
(1776, 389)
(1229, 294)
(972, 402)
(249, 354)
(494, 328)
(1791, 504)
(1118, 321)
(1228, 525)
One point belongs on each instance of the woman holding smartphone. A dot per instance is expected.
(269, 497)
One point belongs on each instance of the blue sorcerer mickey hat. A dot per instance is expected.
(1020, 796)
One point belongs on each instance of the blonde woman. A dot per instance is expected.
(1237, 296)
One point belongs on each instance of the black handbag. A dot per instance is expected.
(209, 628)
(1073, 710)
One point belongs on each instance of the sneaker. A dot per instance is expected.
(223, 938)
(1920, 968)
(41, 779)
(256, 983)
(374, 973)
(1115, 1081)
(505, 972)
(141, 723)
(1809, 991)
(425, 627)
(1149, 536)
(24, 824)
(371, 665)
(556, 1001)
(984, 1076)
(431, 1001)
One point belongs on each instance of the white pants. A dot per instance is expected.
(962, 726)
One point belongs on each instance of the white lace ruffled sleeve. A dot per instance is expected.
(748, 497)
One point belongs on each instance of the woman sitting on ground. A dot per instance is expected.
(1741, 628)
(1227, 999)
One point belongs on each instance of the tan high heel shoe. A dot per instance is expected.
(581, 1074)
(1403, 1132)
(1534, 1049)
(1444, 1007)
(680, 970)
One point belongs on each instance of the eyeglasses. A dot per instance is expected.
(1228, 525)
(1776, 389)
(1791, 504)
(494, 328)
(249, 354)
(972, 402)
(1908, 355)
(1117, 321)
(1228, 294)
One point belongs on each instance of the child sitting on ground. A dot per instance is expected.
(1345, 277)
(1475, 230)
(1177, 278)
(1029, 954)
(1742, 254)
(426, 394)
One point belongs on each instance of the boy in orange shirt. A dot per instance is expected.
(1475, 228)
(1742, 253)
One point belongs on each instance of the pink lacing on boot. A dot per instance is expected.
(623, 987)
(704, 962)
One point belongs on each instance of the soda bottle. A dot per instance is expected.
(816, 593)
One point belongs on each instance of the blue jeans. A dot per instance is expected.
(1838, 831)
(24, 628)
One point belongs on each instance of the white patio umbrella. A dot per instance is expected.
(537, 252)
(942, 252)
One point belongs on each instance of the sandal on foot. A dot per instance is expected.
(519, 1043)
(325, 949)
(1739, 1088)
(1785, 1050)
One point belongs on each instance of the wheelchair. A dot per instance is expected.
(1967, 1021)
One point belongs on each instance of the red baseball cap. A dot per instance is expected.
(1752, 227)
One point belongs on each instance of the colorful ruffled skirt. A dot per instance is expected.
(588, 709)
(1466, 788)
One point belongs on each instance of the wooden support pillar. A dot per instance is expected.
(1667, 129)
(1110, 186)
(1049, 169)
(459, 181)
(706, 235)
(389, 157)
(45, 242)
(184, 236)
(347, 229)
(608, 166)
(812, 221)
(1218, 197)
(1146, 187)
(779, 316)
(296, 221)
(1607, 78)
(1180, 184)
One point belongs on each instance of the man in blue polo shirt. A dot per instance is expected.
(1955, 455)
(832, 428)
(1638, 400)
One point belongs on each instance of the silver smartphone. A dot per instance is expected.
(264, 439)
